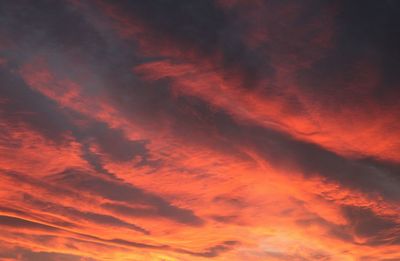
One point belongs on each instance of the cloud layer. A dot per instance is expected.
(199, 130)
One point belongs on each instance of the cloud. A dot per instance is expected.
(16, 222)
(373, 229)
(99, 219)
(22, 254)
(214, 250)
(193, 130)
(23, 105)
(126, 193)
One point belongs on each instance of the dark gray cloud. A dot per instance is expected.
(287, 153)
(362, 223)
(18, 223)
(22, 105)
(77, 215)
(203, 28)
(69, 183)
(364, 34)
(376, 229)
(19, 180)
(59, 222)
(214, 250)
(13, 222)
(123, 192)
(155, 211)
(115, 144)
(23, 254)
(190, 23)
(47, 27)
(341, 232)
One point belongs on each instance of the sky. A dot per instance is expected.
(190, 130)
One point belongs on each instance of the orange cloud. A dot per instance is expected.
(212, 144)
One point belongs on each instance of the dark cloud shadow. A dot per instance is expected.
(123, 192)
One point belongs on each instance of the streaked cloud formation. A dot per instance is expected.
(199, 130)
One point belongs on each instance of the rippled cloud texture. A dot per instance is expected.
(199, 130)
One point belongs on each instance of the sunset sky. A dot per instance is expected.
(194, 130)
